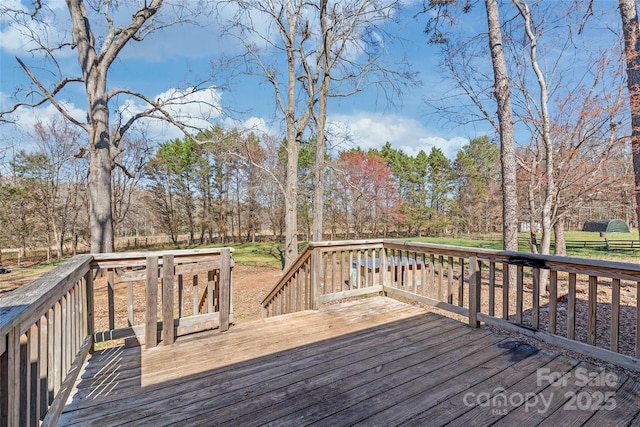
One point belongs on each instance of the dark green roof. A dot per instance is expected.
(606, 225)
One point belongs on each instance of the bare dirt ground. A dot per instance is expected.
(250, 286)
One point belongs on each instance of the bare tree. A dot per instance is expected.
(253, 25)
(631, 32)
(325, 45)
(96, 54)
(343, 62)
(506, 129)
(125, 180)
(481, 90)
(572, 146)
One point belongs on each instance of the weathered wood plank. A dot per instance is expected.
(505, 290)
(592, 313)
(535, 299)
(615, 314)
(349, 362)
(571, 307)
(475, 277)
(519, 292)
(600, 353)
(36, 297)
(224, 284)
(445, 412)
(492, 288)
(167, 299)
(617, 412)
(151, 310)
(110, 296)
(467, 372)
(57, 406)
(486, 415)
(553, 300)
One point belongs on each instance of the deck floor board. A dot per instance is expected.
(370, 362)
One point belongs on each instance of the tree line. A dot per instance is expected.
(232, 191)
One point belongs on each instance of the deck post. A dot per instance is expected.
(151, 323)
(4, 378)
(474, 292)
(225, 289)
(316, 259)
(167, 299)
(382, 271)
(89, 304)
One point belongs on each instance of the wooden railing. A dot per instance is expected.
(578, 304)
(49, 326)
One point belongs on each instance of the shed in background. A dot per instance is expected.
(606, 225)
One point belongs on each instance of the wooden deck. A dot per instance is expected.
(371, 362)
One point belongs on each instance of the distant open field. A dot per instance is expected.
(270, 254)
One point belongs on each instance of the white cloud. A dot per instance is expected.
(373, 130)
(20, 34)
(26, 118)
(257, 125)
(196, 109)
(193, 108)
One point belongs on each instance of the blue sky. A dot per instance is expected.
(177, 57)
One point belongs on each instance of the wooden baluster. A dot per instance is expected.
(440, 276)
(571, 308)
(196, 295)
(432, 273)
(89, 298)
(505, 290)
(34, 374)
(43, 385)
(23, 357)
(615, 314)
(110, 296)
(553, 300)
(592, 316)
(638, 319)
(492, 288)
(461, 282)
(474, 291)
(450, 280)
(535, 295)
(180, 296)
(225, 289)
(333, 271)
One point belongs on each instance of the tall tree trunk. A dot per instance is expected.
(99, 185)
(291, 205)
(291, 181)
(318, 175)
(94, 69)
(561, 244)
(505, 117)
(631, 31)
(550, 185)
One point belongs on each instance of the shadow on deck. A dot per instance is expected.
(374, 361)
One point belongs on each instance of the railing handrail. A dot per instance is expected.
(33, 299)
(340, 243)
(306, 254)
(302, 258)
(48, 328)
(139, 258)
(453, 278)
(623, 270)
